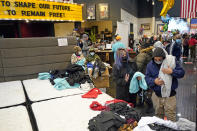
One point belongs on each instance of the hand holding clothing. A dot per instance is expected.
(168, 70)
(139, 78)
(127, 77)
(159, 82)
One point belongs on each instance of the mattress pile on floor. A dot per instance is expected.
(49, 109)
(38, 90)
(68, 113)
(53, 110)
(11, 93)
(15, 119)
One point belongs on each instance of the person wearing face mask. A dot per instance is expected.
(77, 55)
(90, 60)
(164, 105)
(117, 45)
(175, 47)
(85, 44)
(123, 71)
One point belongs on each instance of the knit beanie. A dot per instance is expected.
(85, 36)
(159, 52)
(118, 37)
(77, 48)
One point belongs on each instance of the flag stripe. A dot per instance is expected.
(181, 8)
(188, 8)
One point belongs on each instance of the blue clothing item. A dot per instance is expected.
(135, 84)
(178, 41)
(176, 50)
(44, 76)
(81, 63)
(116, 46)
(152, 72)
(61, 84)
(89, 65)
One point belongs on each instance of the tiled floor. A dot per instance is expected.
(186, 93)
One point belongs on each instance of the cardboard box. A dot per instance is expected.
(103, 80)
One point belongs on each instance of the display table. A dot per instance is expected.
(106, 56)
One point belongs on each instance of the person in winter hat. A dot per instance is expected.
(123, 71)
(117, 45)
(85, 43)
(77, 55)
(163, 106)
(175, 47)
(90, 60)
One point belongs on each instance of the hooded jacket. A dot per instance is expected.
(143, 58)
(152, 72)
(175, 51)
(122, 87)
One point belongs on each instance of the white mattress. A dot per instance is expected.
(11, 93)
(14, 119)
(66, 114)
(42, 89)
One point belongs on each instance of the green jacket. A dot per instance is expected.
(90, 58)
(143, 58)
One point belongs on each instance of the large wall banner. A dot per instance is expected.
(39, 10)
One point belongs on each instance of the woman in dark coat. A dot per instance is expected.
(123, 71)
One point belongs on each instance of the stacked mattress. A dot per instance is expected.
(38, 90)
(51, 109)
(14, 118)
(11, 93)
(68, 113)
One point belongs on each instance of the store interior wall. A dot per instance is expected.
(146, 21)
(115, 6)
(125, 16)
(102, 25)
(63, 29)
(157, 23)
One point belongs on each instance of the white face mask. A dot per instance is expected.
(91, 53)
(80, 52)
(159, 62)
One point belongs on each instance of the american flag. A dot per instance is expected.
(188, 8)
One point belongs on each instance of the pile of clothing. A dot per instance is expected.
(123, 109)
(115, 115)
(76, 74)
(71, 77)
(155, 123)
(106, 121)
(121, 116)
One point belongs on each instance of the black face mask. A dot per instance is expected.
(124, 59)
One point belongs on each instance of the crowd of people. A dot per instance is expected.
(158, 59)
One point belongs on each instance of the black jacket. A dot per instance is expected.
(122, 87)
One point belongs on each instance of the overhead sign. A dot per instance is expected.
(40, 10)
